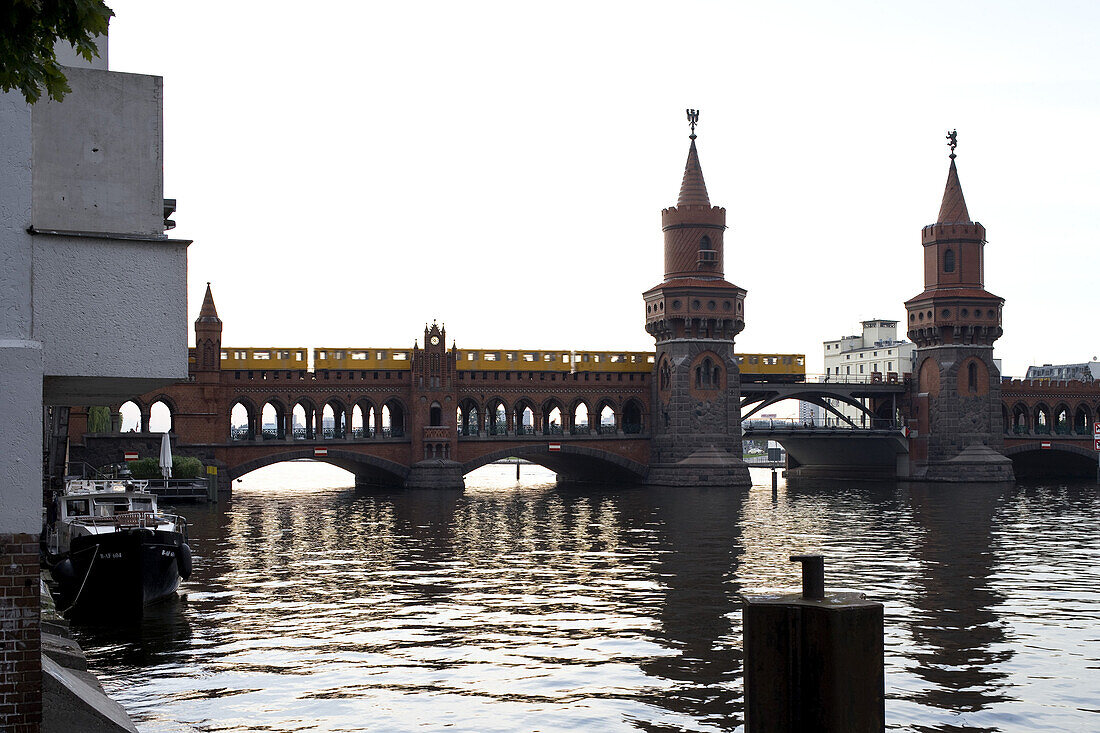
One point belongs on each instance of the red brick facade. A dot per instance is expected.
(20, 634)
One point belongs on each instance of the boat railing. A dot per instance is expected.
(91, 486)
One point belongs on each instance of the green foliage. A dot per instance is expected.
(186, 467)
(30, 29)
(145, 468)
(182, 467)
(100, 419)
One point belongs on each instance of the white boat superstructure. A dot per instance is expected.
(102, 506)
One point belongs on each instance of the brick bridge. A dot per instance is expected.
(426, 416)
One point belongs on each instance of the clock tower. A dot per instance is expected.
(434, 440)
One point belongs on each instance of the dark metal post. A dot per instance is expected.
(813, 662)
(813, 575)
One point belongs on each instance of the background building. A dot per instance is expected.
(1088, 371)
(876, 354)
(94, 303)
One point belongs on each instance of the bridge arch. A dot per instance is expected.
(1061, 460)
(242, 426)
(468, 416)
(1062, 421)
(496, 416)
(571, 462)
(148, 417)
(1082, 419)
(393, 418)
(1041, 422)
(553, 417)
(306, 408)
(758, 402)
(606, 417)
(367, 469)
(274, 409)
(359, 422)
(525, 417)
(633, 417)
(1021, 419)
(577, 423)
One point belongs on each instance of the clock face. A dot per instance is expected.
(435, 340)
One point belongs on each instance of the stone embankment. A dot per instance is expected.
(72, 698)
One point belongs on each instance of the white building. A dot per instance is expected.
(93, 296)
(810, 413)
(1088, 371)
(876, 354)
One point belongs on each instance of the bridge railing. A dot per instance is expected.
(872, 378)
(829, 423)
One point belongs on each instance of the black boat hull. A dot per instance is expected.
(119, 573)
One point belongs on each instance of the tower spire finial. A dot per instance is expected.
(952, 141)
(693, 120)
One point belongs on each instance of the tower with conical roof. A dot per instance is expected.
(694, 314)
(208, 336)
(954, 322)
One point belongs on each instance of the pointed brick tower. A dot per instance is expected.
(694, 315)
(208, 336)
(954, 322)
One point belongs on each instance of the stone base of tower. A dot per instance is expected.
(975, 464)
(704, 467)
(435, 474)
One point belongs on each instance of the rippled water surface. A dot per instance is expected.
(527, 607)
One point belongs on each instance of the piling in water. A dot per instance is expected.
(813, 661)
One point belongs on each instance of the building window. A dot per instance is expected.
(949, 261)
(972, 377)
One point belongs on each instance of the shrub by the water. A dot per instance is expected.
(182, 467)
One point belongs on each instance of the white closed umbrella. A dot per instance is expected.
(166, 457)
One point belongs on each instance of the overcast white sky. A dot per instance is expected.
(355, 170)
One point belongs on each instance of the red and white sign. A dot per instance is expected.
(1096, 430)
(1096, 444)
(1045, 445)
(554, 447)
(130, 455)
(320, 452)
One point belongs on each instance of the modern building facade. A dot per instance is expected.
(876, 354)
(93, 297)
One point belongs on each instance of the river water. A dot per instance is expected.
(527, 607)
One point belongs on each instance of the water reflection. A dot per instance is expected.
(521, 607)
(698, 538)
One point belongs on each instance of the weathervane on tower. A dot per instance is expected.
(693, 120)
(952, 141)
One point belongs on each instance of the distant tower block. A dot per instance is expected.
(694, 315)
(953, 323)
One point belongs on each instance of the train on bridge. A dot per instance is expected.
(754, 367)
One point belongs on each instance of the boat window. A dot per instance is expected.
(108, 508)
(77, 507)
(143, 505)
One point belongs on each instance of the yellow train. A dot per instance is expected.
(754, 367)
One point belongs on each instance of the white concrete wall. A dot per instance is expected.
(111, 315)
(98, 155)
(67, 55)
(20, 357)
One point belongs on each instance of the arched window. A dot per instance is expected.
(972, 377)
(436, 414)
(707, 253)
(949, 261)
(666, 375)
